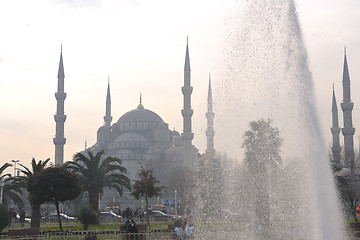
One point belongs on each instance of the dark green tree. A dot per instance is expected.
(36, 167)
(145, 187)
(262, 154)
(95, 174)
(4, 217)
(87, 216)
(11, 190)
(346, 189)
(53, 185)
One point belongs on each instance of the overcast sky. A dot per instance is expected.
(140, 45)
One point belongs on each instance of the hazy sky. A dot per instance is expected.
(140, 44)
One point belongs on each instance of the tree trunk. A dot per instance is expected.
(35, 215)
(147, 213)
(94, 200)
(58, 214)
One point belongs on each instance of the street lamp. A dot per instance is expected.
(15, 161)
(2, 183)
(175, 204)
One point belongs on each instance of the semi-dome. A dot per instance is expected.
(130, 137)
(140, 115)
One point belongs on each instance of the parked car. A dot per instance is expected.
(160, 216)
(54, 218)
(27, 220)
(109, 217)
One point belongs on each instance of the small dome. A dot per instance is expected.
(175, 133)
(130, 137)
(104, 129)
(140, 115)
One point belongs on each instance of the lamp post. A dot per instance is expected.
(175, 203)
(15, 161)
(2, 183)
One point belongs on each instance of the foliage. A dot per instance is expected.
(53, 185)
(11, 190)
(22, 181)
(262, 146)
(346, 190)
(96, 174)
(87, 216)
(145, 187)
(209, 191)
(262, 154)
(4, 217)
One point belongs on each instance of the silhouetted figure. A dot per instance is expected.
(22, 217)
(130, 227)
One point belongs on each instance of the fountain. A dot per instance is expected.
(265, 75)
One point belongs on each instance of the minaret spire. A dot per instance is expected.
(348, 130)
(210, 151)
(108, 117)
(187, 135)
(60, 95)
(140, 105)
(335, 130)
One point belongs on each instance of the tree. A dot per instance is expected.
(262, 154)
(87, 215)
(96, 174)
(4, 217)
(11, 190)
(346, 187)
(54, 185)
(37, 167)
(145, 187)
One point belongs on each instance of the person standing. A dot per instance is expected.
(178, 226)
(22, 217)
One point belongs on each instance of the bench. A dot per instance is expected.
(141, 235)
(23, 232)
(354, 226)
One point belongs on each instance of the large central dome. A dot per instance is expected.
(140, 115)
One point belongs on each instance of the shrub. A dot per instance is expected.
(88, 215)
(4, 217)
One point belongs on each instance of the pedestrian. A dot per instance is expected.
(178, 226)
(11, 213)
(22, 217)
(141, 214)
(188, 229)
(131, 228)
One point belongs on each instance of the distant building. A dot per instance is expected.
(348, 160)
(140, 137)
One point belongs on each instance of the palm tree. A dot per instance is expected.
(37, 167)
(96, 174)
(11, 190)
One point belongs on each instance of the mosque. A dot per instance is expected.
(344, 157)
(140, 137)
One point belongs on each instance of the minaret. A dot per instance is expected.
(210, 124)
(108, 117)
(60, 118)
(335, 130)
(348, 130)
(187, 136)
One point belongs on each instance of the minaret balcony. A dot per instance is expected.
(347, 106)
(60, 118)
(335, 130)
(59, 140)
(187, 112)
(186, 89)
(210, 115)
(60, 96)
(348, 131)
(187, 136)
